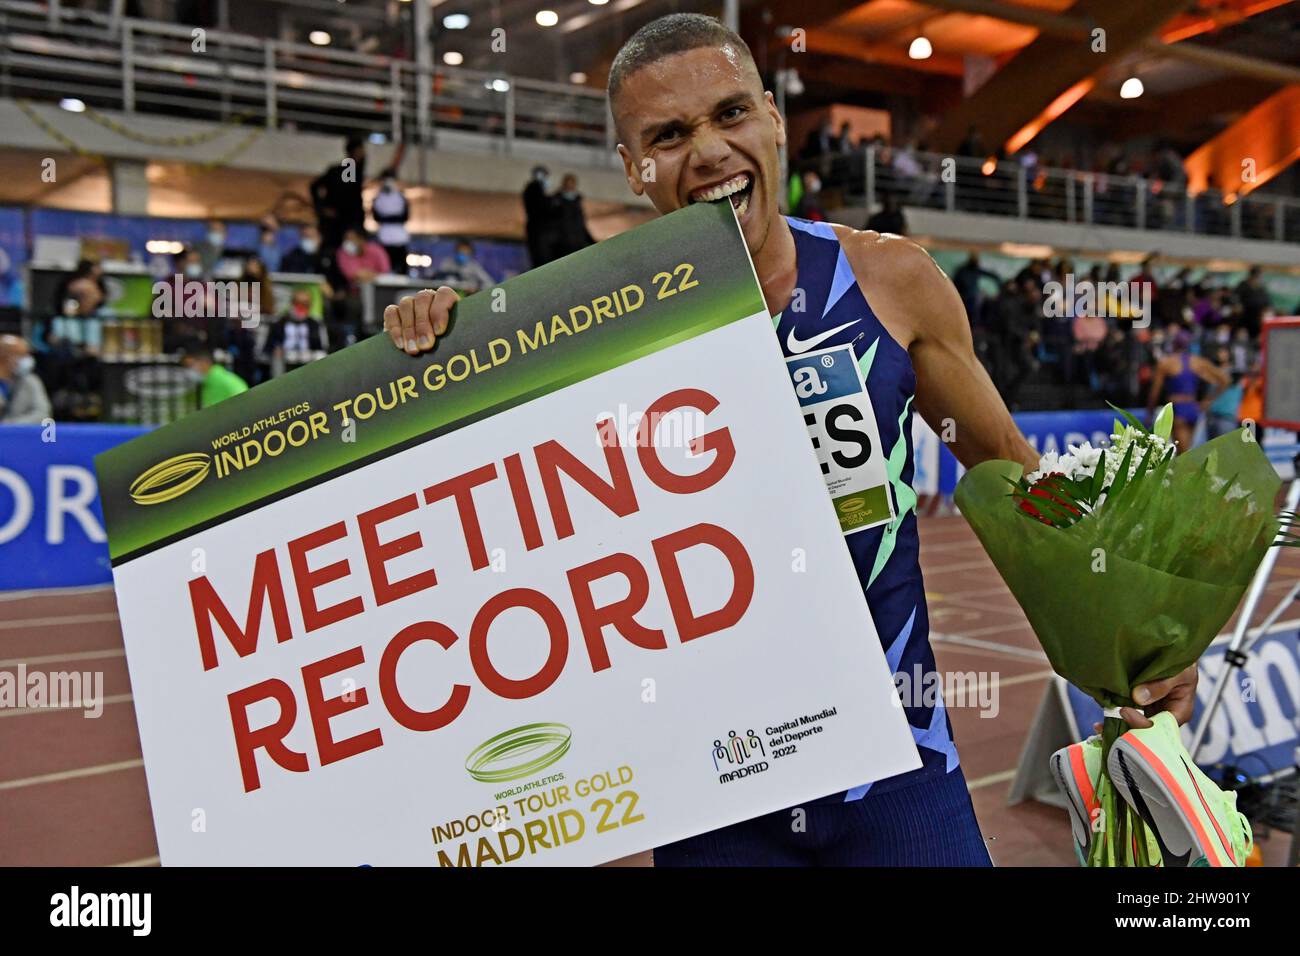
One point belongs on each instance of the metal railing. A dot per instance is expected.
(1011, 188)
(163, 69)
(149, 67)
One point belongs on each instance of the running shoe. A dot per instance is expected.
(1076, 769)
(1193, 821)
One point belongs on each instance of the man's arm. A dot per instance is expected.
(914, 298)
(921, 308)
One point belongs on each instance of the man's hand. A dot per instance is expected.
(416, 321)
(1175, 694)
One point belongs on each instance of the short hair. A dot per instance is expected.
(665, 36)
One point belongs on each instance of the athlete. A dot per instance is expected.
(688, 103)
(1181, 373)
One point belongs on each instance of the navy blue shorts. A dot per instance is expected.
(929, 824)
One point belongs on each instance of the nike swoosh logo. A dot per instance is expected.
(1140, 805)
(796, 345)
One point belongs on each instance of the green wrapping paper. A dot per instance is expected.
(1137, 590)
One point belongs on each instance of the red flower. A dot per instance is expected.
(1048, 487)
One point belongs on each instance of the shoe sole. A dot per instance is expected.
(1163, 797)
(1071, 775)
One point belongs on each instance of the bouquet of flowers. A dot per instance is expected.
(1127, 561)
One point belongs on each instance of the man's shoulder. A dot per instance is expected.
(884, 256)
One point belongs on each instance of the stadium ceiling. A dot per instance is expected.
(1012, 66)
(1009, 67)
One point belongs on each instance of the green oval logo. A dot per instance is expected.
(520, 752)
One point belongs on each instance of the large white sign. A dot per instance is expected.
(605, 619)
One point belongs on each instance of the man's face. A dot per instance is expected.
(697, 127)
(12, 349)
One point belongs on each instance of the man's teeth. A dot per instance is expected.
(744, 205)
(733, 185)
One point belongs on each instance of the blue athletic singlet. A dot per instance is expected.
(886, 555)
(855, 385)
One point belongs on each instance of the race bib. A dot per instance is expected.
(842, 424)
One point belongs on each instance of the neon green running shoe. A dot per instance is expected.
(1076, 770)
(1193, 821)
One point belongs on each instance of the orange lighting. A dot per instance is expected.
(1054, 110)
(989, 166)
(1179, 29)
(1268, 136)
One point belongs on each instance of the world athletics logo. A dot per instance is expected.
(519, 752)
(170, 479)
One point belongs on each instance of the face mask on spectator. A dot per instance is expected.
(570, 194)
(216, 237)
(388, 185)
(462, 257)
(310, 245)
(300, 310)
(350, 247)
(26, 365)
(194, 270)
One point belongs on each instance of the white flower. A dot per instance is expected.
(1079, 462)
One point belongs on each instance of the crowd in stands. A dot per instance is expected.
(907, 172)
(1097, 346)
(335, 255)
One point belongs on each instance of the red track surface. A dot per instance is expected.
(72, 790)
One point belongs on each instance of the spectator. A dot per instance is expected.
(463, 271)
(83, 292)
(539, 218)
(336, 194)
(296, 337)
(890, 218)
(571, 222)
(844, 142)
(391, 211)
(268, 249)
(22, 394)
(244, 334)
(304, 258)
(967, 280)
(190, 264)
(810, 202)
(1221, 411)
(1254, 299)
(972, 146)
(1182, 373)
(361, 259)
(216, 382)
(821, 141)
(213, 247)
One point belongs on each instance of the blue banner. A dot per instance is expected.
(51, 525)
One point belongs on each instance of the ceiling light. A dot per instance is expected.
(547, 18)
(319, 37)
(1131, 89)
(578, 77)
(456, 21)
(72, 105)
(920, 49)
(452, 58)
